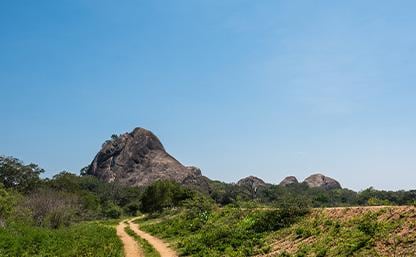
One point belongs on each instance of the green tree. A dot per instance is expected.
(15, 174)
(163, 194)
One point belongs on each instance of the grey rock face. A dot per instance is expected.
(252, 185)
(319, 180)
(138, 159)
(251, 181)
(289, 181)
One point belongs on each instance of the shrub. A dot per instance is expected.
(7, 201)
(286, 214)
(369, 225)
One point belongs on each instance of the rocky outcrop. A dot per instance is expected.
(251, 185)
(321, 181)
(138, 159)
(251, 181)
(290, 180)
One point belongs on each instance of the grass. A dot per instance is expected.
(80, 240)
(148, 249)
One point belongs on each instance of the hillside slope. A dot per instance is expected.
(356, 231)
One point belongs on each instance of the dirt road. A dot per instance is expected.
(131, 248)
(158, 244)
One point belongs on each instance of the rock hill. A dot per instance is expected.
(251, 181)
(319, 180)
(315, 180)
(138, 159)
(289, 181)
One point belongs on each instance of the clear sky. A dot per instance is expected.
(237, 88)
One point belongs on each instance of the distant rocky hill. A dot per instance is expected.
(319, 180)
(289, 181)
(314, 181)
(138, 159)
(251, 181)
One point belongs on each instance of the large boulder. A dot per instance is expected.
(251, 185)
(251, 181)
(138, 158)
(289, 181)
(321, 181)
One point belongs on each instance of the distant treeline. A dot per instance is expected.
(224, 194)
(67, 198)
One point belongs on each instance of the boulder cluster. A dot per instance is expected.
(315, 180)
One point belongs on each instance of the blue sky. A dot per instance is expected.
(269, 88)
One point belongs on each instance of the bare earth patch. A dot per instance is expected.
(160, 246)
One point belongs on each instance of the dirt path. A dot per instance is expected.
(131, 249)
(158, 244)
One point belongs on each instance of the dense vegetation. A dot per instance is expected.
(83, 239)
(287, 232)
(221, 232)
(58, 216)
(55, 216)
(63, 200)
(225, 194)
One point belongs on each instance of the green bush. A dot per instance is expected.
(286, 214)
(7, 204)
